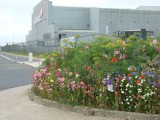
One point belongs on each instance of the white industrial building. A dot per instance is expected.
(51, 23)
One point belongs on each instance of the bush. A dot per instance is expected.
(107, 73)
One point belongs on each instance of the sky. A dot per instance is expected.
(15, 15)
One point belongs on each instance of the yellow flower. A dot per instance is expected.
(51, 80)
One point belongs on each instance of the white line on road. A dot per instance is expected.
(7, 58)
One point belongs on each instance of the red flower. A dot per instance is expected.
(138, 82)
(142, 76)
(114, 60)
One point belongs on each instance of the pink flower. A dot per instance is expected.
(158, 48)
(123, 42)
(155, 41)
(116, 52)
(82, 85)
(73, 85)
(122, 56)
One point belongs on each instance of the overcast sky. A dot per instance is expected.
(15, 15)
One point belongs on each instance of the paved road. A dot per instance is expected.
(17, 58)
(13, 74)
(15, 105)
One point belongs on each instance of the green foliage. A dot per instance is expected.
(107, 73)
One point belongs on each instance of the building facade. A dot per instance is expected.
(51, 23)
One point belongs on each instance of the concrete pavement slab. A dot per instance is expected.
(15, 105)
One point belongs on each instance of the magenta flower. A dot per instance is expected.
(73, 85)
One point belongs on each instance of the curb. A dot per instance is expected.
(93, 111)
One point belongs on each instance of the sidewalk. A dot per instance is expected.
(15, 105)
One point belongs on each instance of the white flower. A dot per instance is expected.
(59, 69)
(147, 94)
(122, 92)
(110, 88)
(77, 75)
(143, 97)
(127, 85)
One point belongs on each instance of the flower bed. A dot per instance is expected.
(111, 74)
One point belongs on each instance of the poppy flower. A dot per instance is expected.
(142, 76)
(114, 60)
(138, 82)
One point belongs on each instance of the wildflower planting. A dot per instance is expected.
(107, 73)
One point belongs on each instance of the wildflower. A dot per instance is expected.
(52, 58)
(134, 73)
(131, 69)
(70, 73)
(142, 76)
(155, 84)
(82, 85)
(122, 56)
(77, 75)
(110, 88)
(117, 73)
(158, 48)
(155, 41)
(123, 42)
(117, 93)
(149, 81)
(86, 47)
(127, 85)
(51, 80)
(59, 69)
(50, 89)
(114, 60)
(137, 68)
(138, 82)
(107, 81)
(73, 85)
(116, 52)
(122, 92)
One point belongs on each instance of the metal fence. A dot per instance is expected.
(33, 47)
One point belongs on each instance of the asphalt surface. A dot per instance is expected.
(13, 74)
(15, 105)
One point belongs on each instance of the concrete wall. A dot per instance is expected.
(123, 19)
(94, 19)
(71, 18)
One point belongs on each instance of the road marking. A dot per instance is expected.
(7, 58)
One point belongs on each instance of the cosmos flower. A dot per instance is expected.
(155, 41)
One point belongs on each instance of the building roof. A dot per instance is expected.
(154, 8)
